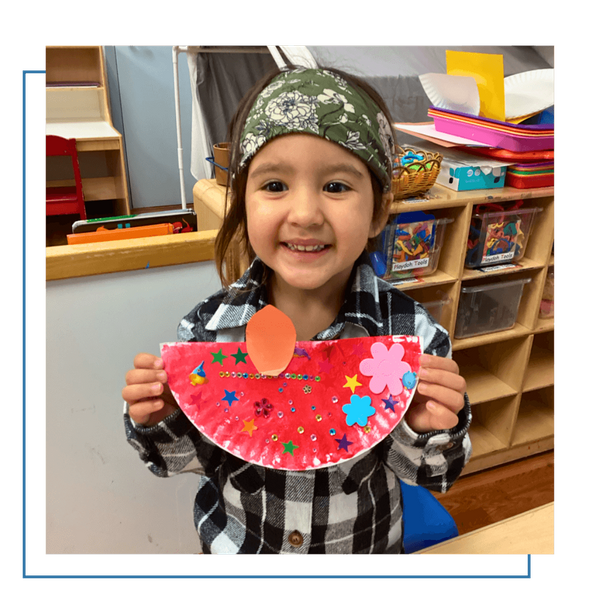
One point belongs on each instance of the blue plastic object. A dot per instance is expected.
(426, 521)
(378, 262)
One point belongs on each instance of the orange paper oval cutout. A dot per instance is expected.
(270, 340)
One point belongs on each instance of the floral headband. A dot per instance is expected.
(320, 102)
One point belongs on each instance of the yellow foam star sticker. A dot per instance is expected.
(351, 382)
(249, 427)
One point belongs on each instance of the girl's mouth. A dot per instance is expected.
(300, 248)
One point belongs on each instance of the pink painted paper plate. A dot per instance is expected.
(334, 400)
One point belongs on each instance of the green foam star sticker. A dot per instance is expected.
(240, 356)
(289, 447)
(219, 357)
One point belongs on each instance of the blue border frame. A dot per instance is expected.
(25, 576)
(24, 313)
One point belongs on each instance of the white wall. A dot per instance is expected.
(100, 498)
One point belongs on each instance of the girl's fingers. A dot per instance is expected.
(145, 376)
(438, 362)
(430, 416)
(147, 361)
(147, 392)
(141, 391)
(450, 398)
(440, 380)
(447, 379)
(141, 412)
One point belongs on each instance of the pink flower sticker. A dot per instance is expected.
(386, 368)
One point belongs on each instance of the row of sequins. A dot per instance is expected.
(297, 376)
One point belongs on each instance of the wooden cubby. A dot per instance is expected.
(77, 106)
(510, 373)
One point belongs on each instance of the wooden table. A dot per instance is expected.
(529, 533)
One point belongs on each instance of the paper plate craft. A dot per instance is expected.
(332, 401)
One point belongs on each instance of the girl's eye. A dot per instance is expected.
(335, 187)
(274, 186)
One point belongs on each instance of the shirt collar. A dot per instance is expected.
(249, 294)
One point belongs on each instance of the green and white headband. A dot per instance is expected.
(320, 102)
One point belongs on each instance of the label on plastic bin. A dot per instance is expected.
(496, 258)
(499, 268)
(410, 264)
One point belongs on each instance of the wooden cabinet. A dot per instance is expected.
(77, 107)
(509, 373)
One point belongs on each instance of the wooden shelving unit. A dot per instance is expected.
(510, 374)
(77, 107)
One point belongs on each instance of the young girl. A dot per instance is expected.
(309, 187)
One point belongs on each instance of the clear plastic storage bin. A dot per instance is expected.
(488, 307)
(499, 237)
(412, 248)
(436, 307)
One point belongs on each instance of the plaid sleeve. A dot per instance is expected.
(432, 460)
(172, 446)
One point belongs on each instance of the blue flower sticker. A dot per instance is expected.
(359, 410)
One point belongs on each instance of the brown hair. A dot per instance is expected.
(235, 225)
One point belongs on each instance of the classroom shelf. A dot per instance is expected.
(77, 107)
(509, 373)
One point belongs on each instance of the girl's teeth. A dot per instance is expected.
(305, 248)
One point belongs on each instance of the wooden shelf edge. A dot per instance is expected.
(493, 459)
(489, 338)
(64, 262)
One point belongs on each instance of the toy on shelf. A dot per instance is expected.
(498, 235)
(410, 246)
(414, 171)
(121, 233)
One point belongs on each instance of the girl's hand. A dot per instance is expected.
(440, 395)
(147, 392)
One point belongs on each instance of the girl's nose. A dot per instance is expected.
(305, 208)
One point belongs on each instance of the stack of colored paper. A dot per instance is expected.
(499, 134)
(531, 175)
(475, 108)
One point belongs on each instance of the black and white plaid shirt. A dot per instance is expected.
(353, 507)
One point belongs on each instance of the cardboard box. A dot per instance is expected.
(463, 171)
(470, 175)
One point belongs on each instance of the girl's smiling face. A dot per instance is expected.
(309, 207)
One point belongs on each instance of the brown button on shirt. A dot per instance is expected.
(295, 538)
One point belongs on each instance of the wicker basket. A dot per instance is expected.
(417, 177)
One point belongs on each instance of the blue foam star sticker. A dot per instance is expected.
(359, 410)
(390, 403)
(343, 443)
(230, 397)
